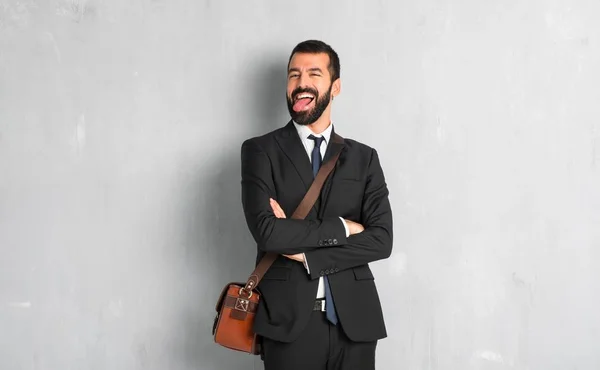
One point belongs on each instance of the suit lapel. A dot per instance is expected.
(336, 143)
(290, 144)
(292, 147)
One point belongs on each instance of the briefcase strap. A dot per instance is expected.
(300, 213)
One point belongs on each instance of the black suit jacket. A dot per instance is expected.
(276, 166)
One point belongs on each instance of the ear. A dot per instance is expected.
(336, 87)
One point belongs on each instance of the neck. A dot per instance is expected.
(319, 127)
(322, 123)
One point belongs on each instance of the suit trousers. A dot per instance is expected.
(321, 346)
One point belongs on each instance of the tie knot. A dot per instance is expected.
(318, 140)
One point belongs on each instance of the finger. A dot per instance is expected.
(276, 209)
(279, 210)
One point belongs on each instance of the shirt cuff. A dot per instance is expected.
(305, 263)
(345, 227)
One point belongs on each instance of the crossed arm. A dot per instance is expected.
(352, 228)
(297, 239)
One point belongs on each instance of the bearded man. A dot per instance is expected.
(319, 307)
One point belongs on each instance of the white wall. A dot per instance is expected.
(120, 215)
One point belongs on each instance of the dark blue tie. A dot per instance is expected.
(316, 164)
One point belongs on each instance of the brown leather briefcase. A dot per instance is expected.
(237, 304)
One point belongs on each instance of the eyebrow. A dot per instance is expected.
(314, 69)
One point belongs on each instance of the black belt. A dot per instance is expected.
(319, 305)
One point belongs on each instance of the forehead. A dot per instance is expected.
(304, 61)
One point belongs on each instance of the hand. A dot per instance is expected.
(354, 227)
(280, 214)
(296, 257)
(277, 208)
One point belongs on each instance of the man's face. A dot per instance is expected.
(309, 87)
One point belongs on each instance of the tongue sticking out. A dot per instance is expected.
(301, 104)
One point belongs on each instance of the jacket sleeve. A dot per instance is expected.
(373, 243)
(272, 234)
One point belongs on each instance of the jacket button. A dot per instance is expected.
(320, 243)
(335, 241)
(322, 273)
(330, 241)
(336, 269)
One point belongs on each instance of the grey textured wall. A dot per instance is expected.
(120, 215)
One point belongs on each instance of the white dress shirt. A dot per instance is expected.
(304, 132)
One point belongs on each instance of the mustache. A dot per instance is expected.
(300, 90)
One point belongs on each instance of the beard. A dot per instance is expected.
(310, 116)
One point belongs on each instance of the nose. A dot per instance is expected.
(303, 80)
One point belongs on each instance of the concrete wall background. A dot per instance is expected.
(120, 127)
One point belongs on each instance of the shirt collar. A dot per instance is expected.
(304, 132)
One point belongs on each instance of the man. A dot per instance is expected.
(319, 307)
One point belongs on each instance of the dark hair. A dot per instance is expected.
(315, 47)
